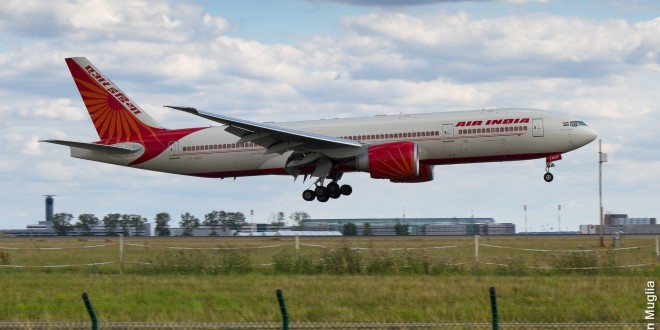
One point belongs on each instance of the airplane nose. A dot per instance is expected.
(591, 135)
(582, 136)
(587, 135)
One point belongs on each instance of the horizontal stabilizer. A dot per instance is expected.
(95, 147)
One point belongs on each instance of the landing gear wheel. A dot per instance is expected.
(321, 191)
(335, 194)
(308, 195)
(346, 190)
(323, 198)
(548, 177)
(333, 187)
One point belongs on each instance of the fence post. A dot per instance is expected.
(285, 315)
(476, 249)
(90, 310)
(121, 254)
(297, 246)
(493, 306)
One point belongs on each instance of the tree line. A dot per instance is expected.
(115, 223)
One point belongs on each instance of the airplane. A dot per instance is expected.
(401, 148)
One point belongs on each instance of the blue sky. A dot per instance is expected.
(296, 60)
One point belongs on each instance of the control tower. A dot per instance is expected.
(49, 207)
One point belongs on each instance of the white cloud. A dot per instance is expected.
(32, 146)
(55, 171)
(87, 21)
(525, 44)
(7, 165)
(188, 67)
(94, 15)
(61, 109)
(412, 3)
(13, 137)
(219, 23)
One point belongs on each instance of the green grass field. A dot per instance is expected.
(373, 279)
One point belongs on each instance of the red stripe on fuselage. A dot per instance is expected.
(482, 159)
(346, 169)
(155, 144)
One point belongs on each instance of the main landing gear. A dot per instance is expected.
(323, 194)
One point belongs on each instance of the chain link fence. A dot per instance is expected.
(347, 326)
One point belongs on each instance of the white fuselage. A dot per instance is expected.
(442, 138)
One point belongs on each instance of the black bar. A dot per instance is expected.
(493, 305)
(90, 310)
(285, 316)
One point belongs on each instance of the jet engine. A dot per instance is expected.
(425, 175)
(396, 161)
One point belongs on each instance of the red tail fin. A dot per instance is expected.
(116, 117)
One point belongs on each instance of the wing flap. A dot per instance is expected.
(280, 148)
(240, 132)
(253, 137)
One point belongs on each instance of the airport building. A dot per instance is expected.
(621, 223)
(416, 226)
(377, 226)
(45, 229)
(253, 229)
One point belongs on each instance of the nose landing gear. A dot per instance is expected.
(549, 162)
(548, 177)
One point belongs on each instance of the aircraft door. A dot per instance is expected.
(174, 150)
(447, 132)
(537, 127)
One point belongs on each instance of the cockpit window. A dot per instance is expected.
(575, 123)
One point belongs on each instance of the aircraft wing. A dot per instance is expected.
(274, 138)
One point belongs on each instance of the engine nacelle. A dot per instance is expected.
(425, 175)
(396, 161)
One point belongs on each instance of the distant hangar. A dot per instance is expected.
(416, 226)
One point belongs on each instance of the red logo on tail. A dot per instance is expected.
(113, 113)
